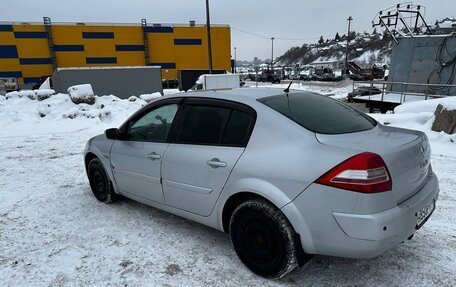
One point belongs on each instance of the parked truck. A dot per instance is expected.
(187, 78)
(215, 82)
(368, 74)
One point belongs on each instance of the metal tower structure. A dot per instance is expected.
(405, 19)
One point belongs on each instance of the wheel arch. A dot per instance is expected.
(234, 201)
(87, 158)
(239, 190)
(90, 155)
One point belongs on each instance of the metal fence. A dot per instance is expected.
(431, 90)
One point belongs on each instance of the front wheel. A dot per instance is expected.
(99, 182)
(263, 238)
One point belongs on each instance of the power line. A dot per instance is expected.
(278, 38)
(303, 39)
(253, 34)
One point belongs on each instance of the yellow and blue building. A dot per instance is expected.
(31, 50)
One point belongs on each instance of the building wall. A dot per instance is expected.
(120, 81)
(24, 49)
(24, 52)
(413, 60)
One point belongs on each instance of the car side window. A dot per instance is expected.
(212, 125)
(203, 124)
(154, 126)
(237, 131)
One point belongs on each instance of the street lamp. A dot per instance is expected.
(272, 53)
(235, 64)
(209, 45)
(348, 48)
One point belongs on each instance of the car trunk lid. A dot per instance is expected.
(405, 152)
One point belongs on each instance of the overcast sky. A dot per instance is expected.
(271, 18)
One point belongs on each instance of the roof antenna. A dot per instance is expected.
(287, 90)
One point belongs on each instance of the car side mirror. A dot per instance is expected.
(112, 134)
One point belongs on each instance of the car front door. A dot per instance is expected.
(211, 136)
(136, 159)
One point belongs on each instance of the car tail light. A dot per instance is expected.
(365, 172)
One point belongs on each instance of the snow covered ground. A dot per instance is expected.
(54, 233)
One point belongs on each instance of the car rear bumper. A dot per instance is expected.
(329, 231)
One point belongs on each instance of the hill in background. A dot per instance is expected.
(365, 48)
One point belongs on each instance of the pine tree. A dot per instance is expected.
(337, 38)
(321, 41)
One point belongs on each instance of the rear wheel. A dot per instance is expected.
(263, 238)
(99, 182)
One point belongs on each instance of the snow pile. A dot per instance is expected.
(19, 94)
(31, 94)
(420, 116)
(428, 106)
(43, 94)
(20, 115)
(82, 94)
(449, 104)
(23, 116)
(132, 99)
(150, 97)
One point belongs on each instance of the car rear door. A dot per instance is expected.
(211, 136)
(136, 159)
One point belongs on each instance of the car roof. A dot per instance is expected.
(254, 93)
(238, 94)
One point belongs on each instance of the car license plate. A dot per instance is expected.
(423, 214)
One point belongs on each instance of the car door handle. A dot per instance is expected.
(215, 162)
(154, 156)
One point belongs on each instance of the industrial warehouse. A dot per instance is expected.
(29, 51)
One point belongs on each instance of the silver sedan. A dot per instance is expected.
(287, 174)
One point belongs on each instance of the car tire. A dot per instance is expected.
(263, 238)
(100, 183)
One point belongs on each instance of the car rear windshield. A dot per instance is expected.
(320, 114)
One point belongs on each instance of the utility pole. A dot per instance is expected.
(272, 54)
(348, 48)
(209, 45)
(235, 64)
